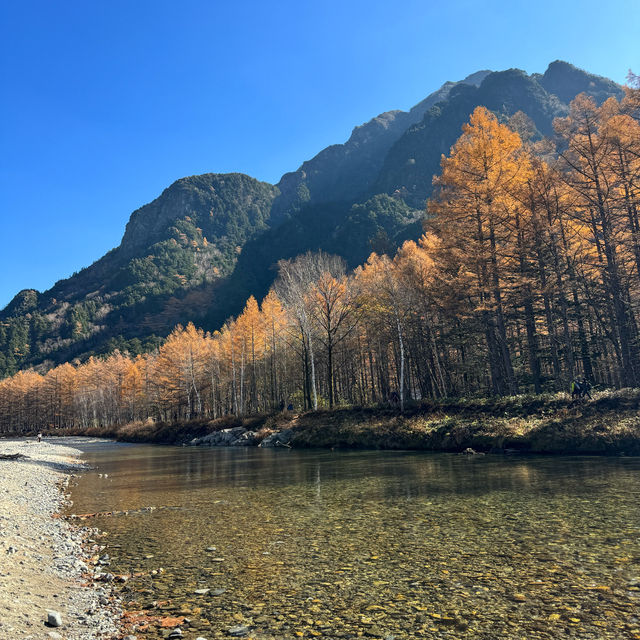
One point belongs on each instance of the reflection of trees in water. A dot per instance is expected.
(368, 474)
(303, 525)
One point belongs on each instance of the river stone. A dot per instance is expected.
(105, 577)
(239, 631)
(470, 452)
(54, 619)
(278, 439)
(201, 592)
(54, 635)
(218, 592)
(176, 633)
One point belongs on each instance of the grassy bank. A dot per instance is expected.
(609, 424)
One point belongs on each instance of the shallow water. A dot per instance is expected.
(371, 544)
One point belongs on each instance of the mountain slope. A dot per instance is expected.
(187, 238)
(405, 177)
(343, 172)
(208, 242)
(415, 156)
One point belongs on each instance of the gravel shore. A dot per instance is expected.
(43, 559)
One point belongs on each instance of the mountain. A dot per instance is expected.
(344, 172)
(172, 249)
(208, 242)
(415, 156)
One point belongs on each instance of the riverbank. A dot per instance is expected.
(43, 566)
(609, 424)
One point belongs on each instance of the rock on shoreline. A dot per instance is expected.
(42, 559)
(241, 437)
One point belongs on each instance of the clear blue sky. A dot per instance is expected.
(104, 103)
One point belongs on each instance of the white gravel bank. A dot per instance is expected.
(41, 558)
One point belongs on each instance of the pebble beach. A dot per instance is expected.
(46, 590)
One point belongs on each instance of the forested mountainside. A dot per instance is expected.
(413, 160)
(189, 236)
(526, 277)
(208, 242)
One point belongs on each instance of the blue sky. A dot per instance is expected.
(105, 103)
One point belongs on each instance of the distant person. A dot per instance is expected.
(586, 387)
(281, 405)
(576, 389)
(39, 437)
(289, 407)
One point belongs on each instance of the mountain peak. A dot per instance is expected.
(211, 200)
(477, 77)
(23, 302)
(566, 81)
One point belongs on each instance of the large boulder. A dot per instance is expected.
(233, 437)
(278, 439)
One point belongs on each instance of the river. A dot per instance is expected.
(301, 544)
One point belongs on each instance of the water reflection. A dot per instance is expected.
(342, 544)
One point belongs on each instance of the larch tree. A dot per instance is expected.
(473, 210)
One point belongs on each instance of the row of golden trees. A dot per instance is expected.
(527, 275)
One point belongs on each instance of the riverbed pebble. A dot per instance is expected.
(42, 584)
(54, 619)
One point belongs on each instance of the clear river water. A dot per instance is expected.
(303, 544)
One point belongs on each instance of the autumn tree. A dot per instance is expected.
(473, 211)
(587, 159)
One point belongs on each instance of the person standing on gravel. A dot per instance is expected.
(39, 437)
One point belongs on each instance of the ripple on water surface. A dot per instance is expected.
(296, 544)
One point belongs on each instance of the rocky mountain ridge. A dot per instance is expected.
(208, 242)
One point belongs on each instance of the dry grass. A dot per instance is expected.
(548, 423)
